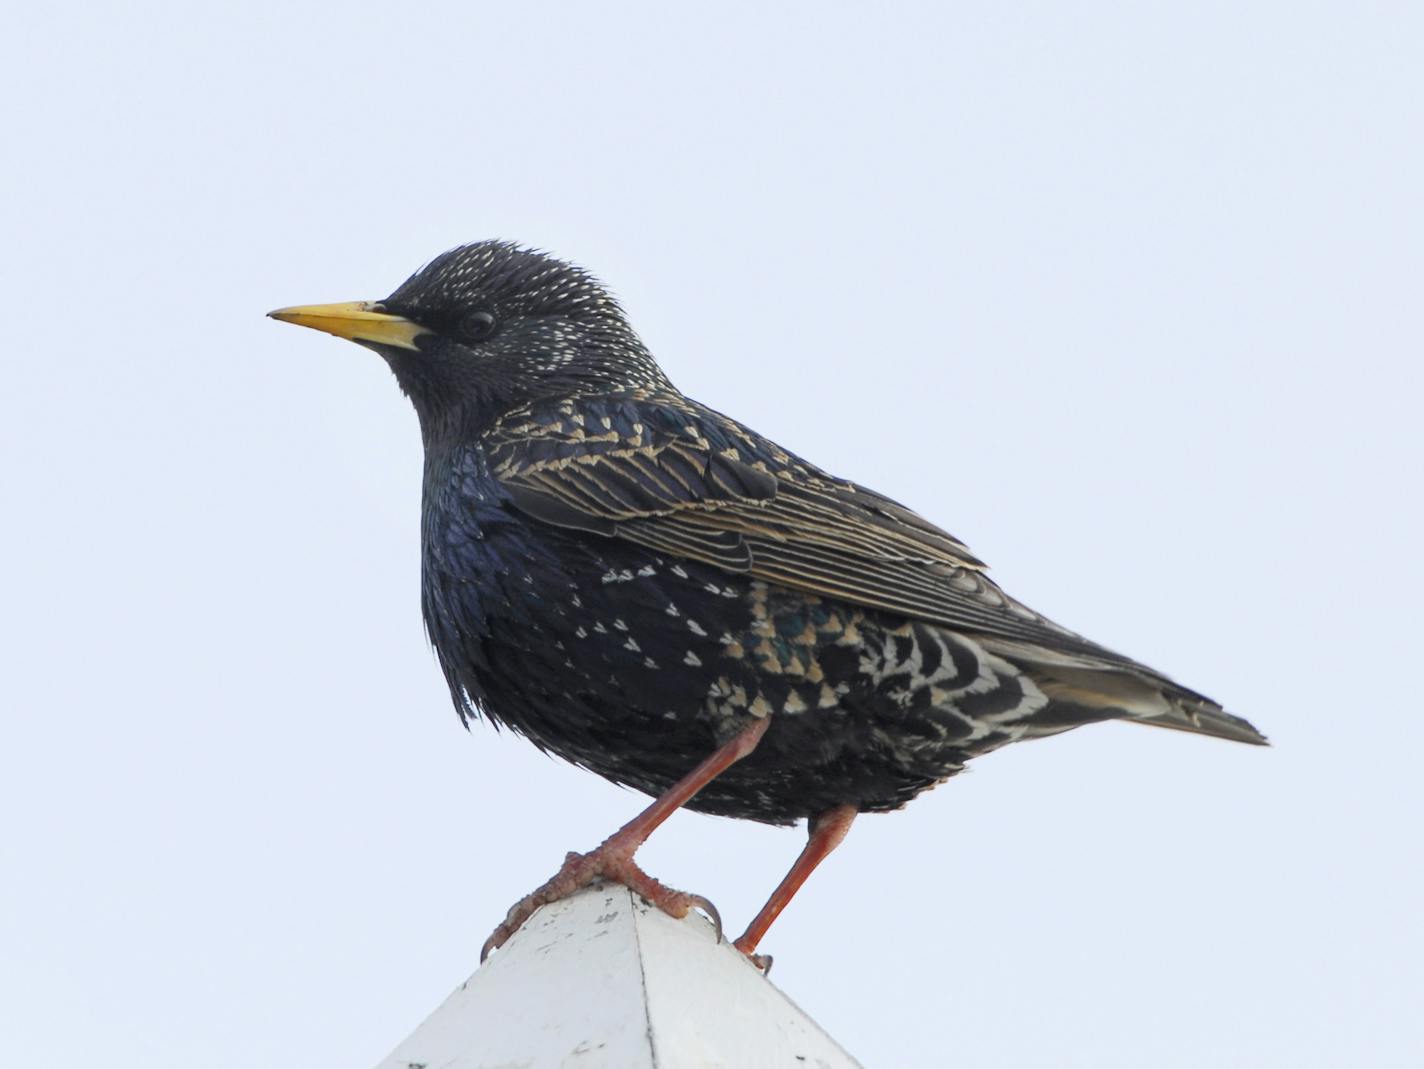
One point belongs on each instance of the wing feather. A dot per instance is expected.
(684, 480)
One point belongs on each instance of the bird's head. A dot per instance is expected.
(485, 328)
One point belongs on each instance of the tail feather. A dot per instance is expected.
(1122, 689)
(1207, 718)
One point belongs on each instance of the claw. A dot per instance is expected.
(520, 912)
(706, 906)
(762, 962)
(494, 942)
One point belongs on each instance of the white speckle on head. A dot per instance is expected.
(696, 628)
(692, 660)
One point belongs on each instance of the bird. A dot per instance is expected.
(655, 592)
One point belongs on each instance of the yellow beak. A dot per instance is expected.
(356, 320)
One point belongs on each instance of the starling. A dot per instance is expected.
(653, 591)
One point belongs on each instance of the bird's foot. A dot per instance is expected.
(761, 961)
(613, 862)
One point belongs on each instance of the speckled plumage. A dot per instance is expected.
(629, 578)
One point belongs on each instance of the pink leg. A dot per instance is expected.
(613, 860)
(826, 830)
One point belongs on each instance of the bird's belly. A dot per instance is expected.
(638, 666)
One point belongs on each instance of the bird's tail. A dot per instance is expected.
(1202, 716)
(1116, 688)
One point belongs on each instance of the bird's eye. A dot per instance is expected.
(477, 326)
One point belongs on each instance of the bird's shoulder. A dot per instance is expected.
(644, 424)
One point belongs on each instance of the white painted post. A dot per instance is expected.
(604, 981)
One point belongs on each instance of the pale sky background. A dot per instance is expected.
(1126, 296)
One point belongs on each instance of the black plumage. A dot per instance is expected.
(629, 578)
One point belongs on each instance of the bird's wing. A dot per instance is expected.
(686, 481)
